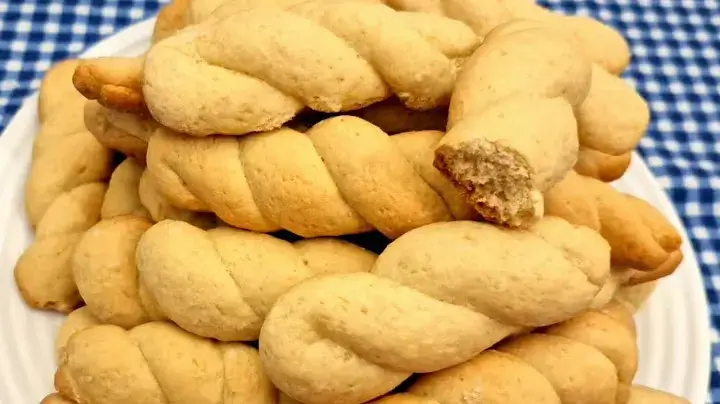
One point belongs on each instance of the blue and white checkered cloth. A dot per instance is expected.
(676, 66)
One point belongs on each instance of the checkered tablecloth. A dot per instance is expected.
(676, 67)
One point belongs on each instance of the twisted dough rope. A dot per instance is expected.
(160, 208)
(590, 359)
(65, 155)
(517, 138)
(343, 176)
(217, 284)
(155, 363)
(437, 296)
(605, 167)
(124, 132)
(613, 117)
(600, 43)
(638, 395)
(640, 237)
(278, 67)
(43, 272)
(63, 192)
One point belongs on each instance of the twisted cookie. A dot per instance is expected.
(518, 137)
(217, 284)
(436, 297)
(44, 272)
(65, 154)
(600, 43)
(590, 359)
(613, 117)
(343, 176)
(157, 363)
(160, 208)
(640, 237)
(126, 133)
(271, 55)
(122, 197)
(605, 167)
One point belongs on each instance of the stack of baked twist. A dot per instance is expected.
(465, 144)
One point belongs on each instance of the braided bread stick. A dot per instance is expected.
(605, 167)
(613, 117)
(274, 61)
(63, 192)
(217, 284)
(590, 359)
(508, 144)
(640, 237)
(160, 208)
(157, 363)
(171, 18)
(601, 43)
(65, 154)
(437, 296)
(343, 176)
(124, 132)
(44, 272)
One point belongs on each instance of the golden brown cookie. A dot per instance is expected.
(114, 82)
(508, 144)
(589, 359)
(157, 362)
(342, 176)
(605, 167)
(217, 284)
(640, 237)
(601, 43)
(126, 133)
(436, 297)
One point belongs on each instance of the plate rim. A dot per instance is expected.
(28, 111)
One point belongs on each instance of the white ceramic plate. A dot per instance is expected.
(673, 327)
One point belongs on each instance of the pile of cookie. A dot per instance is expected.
(346, 201)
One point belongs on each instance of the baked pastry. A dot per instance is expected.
(354, 70)
(160, 208)
(591, 358)
(122, 197)
(154, 363)
(63, 192)
(343, 176)
(124, 132)
(171, 18)
(613, 117)
(600, 43)
(112, 81)
(640, 237)
(508, 144)
(65, 154)
(605, 167)
(43, 273)
(436, 297)
(217, 284)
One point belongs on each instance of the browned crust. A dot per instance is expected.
(605, 167)
(171, 19)
(115, 83)
(665, 269)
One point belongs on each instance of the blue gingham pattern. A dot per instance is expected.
(676, 67)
